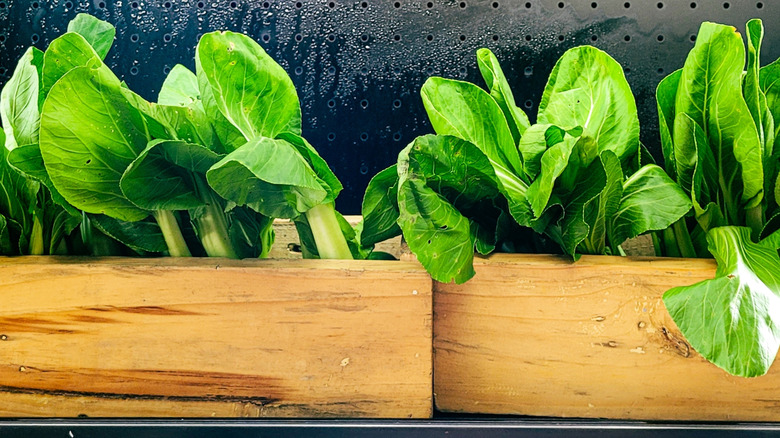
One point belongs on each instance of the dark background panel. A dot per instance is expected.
(358, 65)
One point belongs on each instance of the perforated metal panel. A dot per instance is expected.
(359, 65)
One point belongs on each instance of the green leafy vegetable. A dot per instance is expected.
(572, 178)
(718, 134)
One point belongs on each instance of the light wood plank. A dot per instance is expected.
(214, 337)
(540, 335)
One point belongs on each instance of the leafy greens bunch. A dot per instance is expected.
(203, 170)
(719, 139)
(490, 180)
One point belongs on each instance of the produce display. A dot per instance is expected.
(90, 167)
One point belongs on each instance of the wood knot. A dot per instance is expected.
(676, 343)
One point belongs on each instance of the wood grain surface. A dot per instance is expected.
(539, 335)
(214, 338)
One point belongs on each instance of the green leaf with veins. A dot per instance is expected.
(499, 89)
(20, 101)
(650, 201)
(180, 88)
(86, 164)
(465, 111)
(270, 176)
(665, 96)
(710, 93)
(380, 208)
(65, 53)
(444, 185)
(249, 89)
(587, 88)
(733, 320)
(164, 175)
(98, 33)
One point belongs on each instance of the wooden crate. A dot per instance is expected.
(539, 335)
(214, 338)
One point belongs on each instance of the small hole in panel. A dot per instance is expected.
(233, 5)
(660, 38)
(528, 38)
(528, 5)
(298, 5)
(429, 71)
(495, 5)
(364, 70)
(134, 37)
(397, 70)
(298, 37)
(429, 38)
(331, 136)
(35, 38)
(134, 5)
(35, 5)
(659, 5)
(594, 5)
(166, 70)
(759, 5)
(463, 71)
(627, 38)
(626, 70)
(429, 5)
(495, 37)
(660, 70)
(594, 38)
(726, 5)
(266, 5)
(528, 71)
(167, 37)
(364, 103)
(397, 103)
(363, 168)
(397, 5)
(561, 5)
(561, 37)
(462, 5)
(166, 5)
(693, 5)
(331, 5)
(331, 37)
(133, 70)
(462, 37)
(693, 38)
(397, 136)
(266, 38)
(201, 5)
(331, 70)
(3, 71)
(364, 5)
(299, 70)
(68, 5)
(626, 5)
(2, 5)
(397, 37)
(364, 38)
(2, 38)
(528, 103)
(364, 136)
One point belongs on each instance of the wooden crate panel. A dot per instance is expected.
(211, 337)
(539, 335)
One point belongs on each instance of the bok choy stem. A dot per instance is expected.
(683, 238)
(327, 232)
(212, 226)
(754, 219)
(177, 247)
(36, 239)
